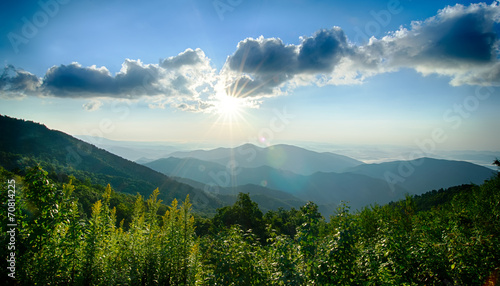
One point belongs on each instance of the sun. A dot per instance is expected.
(229, 107)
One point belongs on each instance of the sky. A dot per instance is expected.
(421, 74)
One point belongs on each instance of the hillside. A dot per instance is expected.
(23, 143)
(216, 174)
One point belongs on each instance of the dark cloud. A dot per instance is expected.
(323, 51)
(181, 75)
(74, 80)
(137, 79)
(263, 56)
(457, 39)
(319, 53)
(469, 38)
(17, 82)
(268, 63)
(186, 77)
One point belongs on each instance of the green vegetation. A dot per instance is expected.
(56, 246)
(71, 232)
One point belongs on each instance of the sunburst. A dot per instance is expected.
(229, 107)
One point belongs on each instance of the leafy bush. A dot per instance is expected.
(454, 242)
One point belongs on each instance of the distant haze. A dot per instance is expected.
(149, 151)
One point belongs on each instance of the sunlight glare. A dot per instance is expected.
(228, 106)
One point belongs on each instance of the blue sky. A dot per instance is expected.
(234, 71)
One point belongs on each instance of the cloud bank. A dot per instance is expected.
(460, 42)
(181, 80)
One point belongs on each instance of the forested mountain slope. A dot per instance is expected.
(23, 143)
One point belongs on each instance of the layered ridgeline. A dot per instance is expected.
(324, 178)
(283, 157)
(25, 143)
(277, 176)
(426, 174)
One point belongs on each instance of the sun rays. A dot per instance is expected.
(231, 114)
(236, 93)
(229, 107)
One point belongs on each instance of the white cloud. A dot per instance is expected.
(460, 42)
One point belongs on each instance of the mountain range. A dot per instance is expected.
(276, 176)
(308, 175)
(284, 157)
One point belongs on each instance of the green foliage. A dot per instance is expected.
(52, 216)
(454, 242)
(429, 200)
(61, 248)
(307, 235)
(244, 213)
(232, 258)
(338, 251)
(284, 221)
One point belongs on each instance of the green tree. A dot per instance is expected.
(44, 228)
(284, 261)
(307, 236)
(284, 221)
(233, 257)
(337, 252)
(245, 213)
